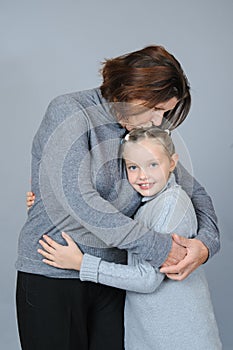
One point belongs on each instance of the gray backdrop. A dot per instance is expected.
(50, 47)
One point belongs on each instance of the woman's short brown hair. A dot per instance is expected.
(151, 75)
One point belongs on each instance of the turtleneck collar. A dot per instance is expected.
(171, 182)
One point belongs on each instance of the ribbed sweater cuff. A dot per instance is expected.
(89, 268)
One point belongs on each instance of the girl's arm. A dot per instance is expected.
(140, 277)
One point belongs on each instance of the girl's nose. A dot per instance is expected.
(142, 175)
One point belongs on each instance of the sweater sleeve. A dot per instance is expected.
(140, 277)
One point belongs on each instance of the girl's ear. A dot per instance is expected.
(174, 160)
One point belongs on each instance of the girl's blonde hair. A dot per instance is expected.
(160, 136)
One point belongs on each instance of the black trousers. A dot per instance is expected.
(67, 314)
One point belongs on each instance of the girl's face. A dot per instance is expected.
(151, 116)
(148, 166)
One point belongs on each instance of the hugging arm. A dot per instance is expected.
(138, 275)
(207, 241)
(208, 232)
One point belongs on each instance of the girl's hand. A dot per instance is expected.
(60, 256)
(30, 199)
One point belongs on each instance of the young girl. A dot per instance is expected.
(160, 313)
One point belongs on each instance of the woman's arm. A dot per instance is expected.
(207, 241)
(208, 232)
(173, 211)
(139, 276)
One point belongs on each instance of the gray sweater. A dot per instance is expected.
(81, 188)
(160, 313)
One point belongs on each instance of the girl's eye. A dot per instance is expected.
(132, 167)
(154, 165)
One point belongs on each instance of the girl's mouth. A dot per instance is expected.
(145, 186)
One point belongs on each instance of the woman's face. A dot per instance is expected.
(148, 166)
(150, 117)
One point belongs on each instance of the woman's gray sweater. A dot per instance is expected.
(80, 184)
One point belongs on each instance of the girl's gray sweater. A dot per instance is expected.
(81, 188)
(161, 314)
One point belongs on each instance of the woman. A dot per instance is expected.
(80, 185)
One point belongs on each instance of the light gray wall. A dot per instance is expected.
(50, 47)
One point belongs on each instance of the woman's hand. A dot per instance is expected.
(60, 256)
(197, 254)
(30, 199)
